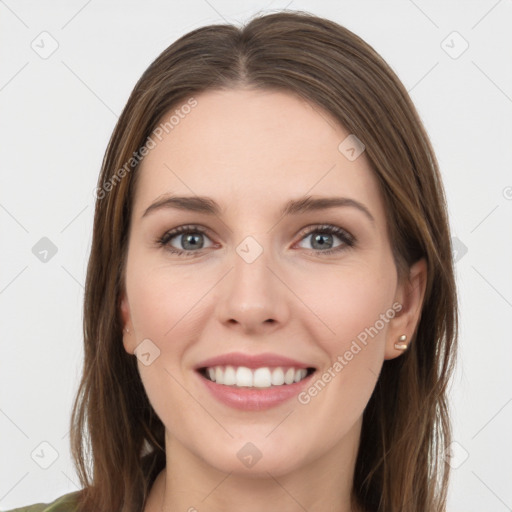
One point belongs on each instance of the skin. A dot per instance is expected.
(252, 151)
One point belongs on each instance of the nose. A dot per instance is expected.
(253, 297)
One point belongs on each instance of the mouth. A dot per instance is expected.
(254, 382)
(255, 378)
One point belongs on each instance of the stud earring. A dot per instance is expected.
(127, 330)
(400, 345)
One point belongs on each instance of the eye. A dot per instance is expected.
(190, 240)
(184, 240)
(322, 239)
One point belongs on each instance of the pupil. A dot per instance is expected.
(190, 242)
(320, 239)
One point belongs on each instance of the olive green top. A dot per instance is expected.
(65, 503)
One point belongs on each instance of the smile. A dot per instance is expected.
(263, 377)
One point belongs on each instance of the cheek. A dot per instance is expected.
(346, 301)
(163, 301)
(352, 309)
(164, 306)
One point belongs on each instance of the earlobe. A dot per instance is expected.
(401, 343)
(410, 295)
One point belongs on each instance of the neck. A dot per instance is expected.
(190, 484)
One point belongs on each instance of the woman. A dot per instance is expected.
(270, 312)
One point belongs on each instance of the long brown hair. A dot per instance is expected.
(117, 440)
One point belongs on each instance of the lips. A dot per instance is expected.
(265, 360)
(254, 382)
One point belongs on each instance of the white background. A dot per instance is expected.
(56, 118)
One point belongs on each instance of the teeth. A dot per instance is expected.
(262, 378)
(243, 377)
(277, 377)
(289, 376)
(229, 376)
(258, 378)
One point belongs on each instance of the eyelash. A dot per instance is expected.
(348, 241)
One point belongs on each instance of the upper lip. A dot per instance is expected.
(266, 359)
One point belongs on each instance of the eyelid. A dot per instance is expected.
(337, 230)
(347, 239)
(182, 230)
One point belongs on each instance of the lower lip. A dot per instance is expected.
(255, 399)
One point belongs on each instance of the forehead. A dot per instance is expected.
(252, 147)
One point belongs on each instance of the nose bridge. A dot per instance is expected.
(251, 263)
(252, 279)
(252, 295)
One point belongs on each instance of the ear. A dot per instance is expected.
(409, 295)
(128, 337)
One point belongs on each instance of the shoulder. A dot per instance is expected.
(65, 503)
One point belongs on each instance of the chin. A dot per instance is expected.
(255, 458)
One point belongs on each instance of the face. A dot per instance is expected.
(238, 291)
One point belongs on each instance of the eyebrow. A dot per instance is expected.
(208, 206)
